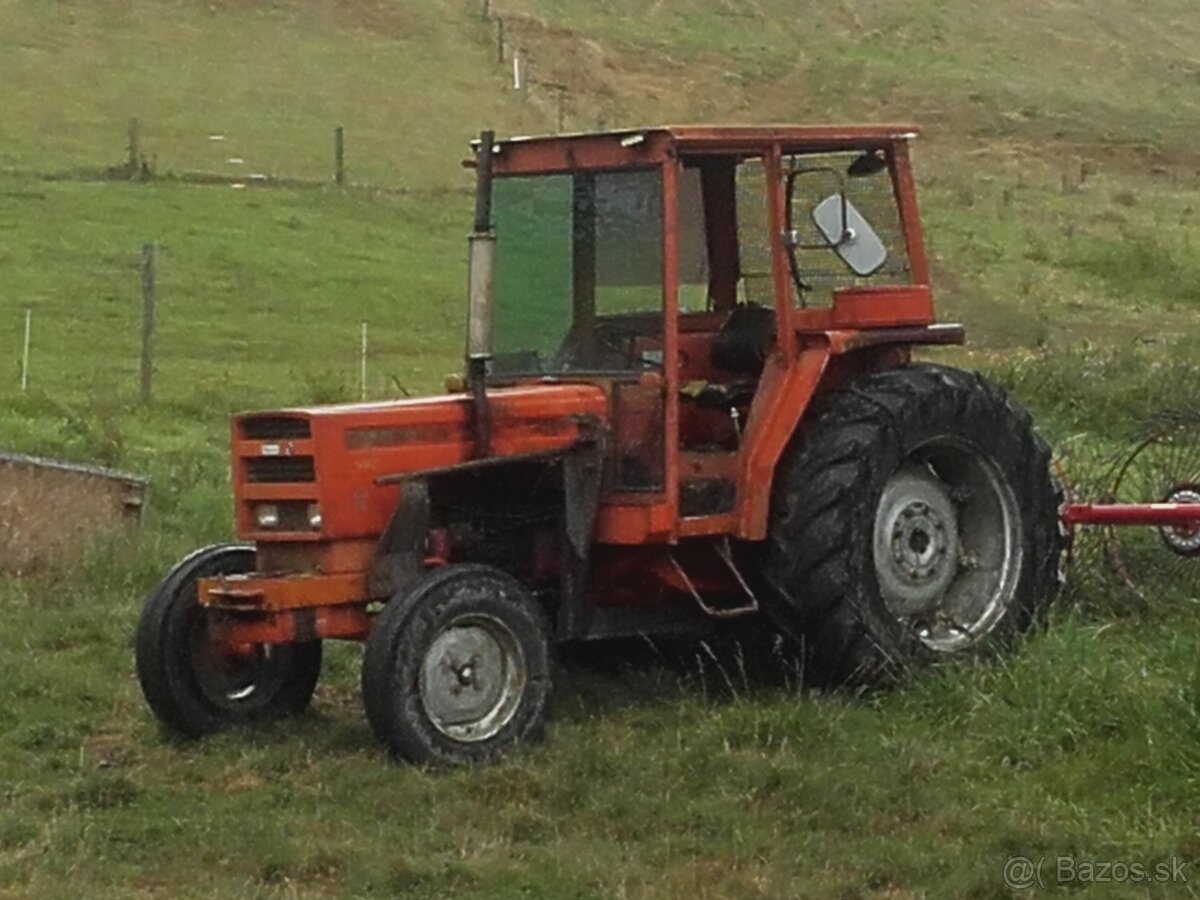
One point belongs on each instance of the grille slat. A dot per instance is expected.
(280, 470)
(276, 428)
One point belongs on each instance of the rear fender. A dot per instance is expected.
(783, 395)
(825, 361)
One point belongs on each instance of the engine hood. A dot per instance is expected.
(336, 456)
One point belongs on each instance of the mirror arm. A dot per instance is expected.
(792, 245)
(846, 235)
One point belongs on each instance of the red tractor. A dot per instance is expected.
(689, 396)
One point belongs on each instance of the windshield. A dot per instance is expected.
(578, 282)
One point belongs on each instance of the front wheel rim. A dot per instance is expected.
(235, 678)
(947, 544)
(472, 678)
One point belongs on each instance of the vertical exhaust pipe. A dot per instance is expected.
(480, 280)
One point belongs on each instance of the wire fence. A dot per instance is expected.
(282, 152)
(261, 152)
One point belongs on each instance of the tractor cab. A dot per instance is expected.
(680, 268)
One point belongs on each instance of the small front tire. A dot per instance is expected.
(457, 668)
(196, 686)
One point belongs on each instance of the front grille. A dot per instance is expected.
(276, 428)
(280, 469)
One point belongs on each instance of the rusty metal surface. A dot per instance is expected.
(471, 465)
(721, 137)
(346, 622)
(722, 552)
(583, 473)
(398, 558)
(782, 397)
(264, 593)
(845, 340)
(660, 144)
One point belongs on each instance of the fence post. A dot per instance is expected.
(135, 147)
(148, 300)
(339, 156)
(561, 92)
(363, 373)
(25, 352)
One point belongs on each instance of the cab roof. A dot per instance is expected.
(698, 137)
(645, 146)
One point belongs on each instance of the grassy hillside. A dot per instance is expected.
(410, 80)
(1059, 168)
(1060, 191)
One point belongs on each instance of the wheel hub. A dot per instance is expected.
(919, 541)
(471, 679)
(1182, 539)
(916, 541)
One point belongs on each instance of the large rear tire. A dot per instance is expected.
(914, 518)
(457, 668)
(196, 686)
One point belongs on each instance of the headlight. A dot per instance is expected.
(314, 517)
(267, 516)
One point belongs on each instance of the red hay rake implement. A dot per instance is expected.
(1156, 487)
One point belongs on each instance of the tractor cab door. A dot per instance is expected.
(727, 324)
(579, 297)
(616, 327)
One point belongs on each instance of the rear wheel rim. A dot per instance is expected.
(947, 544)
(472, 678)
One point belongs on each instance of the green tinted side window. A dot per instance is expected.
(579, 263)
(533, 266)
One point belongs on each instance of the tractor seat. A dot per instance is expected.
(745, 338)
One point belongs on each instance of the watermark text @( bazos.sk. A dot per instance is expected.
(1026, 872)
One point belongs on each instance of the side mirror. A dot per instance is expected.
(849, 235)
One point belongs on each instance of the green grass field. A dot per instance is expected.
(1061, 199)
